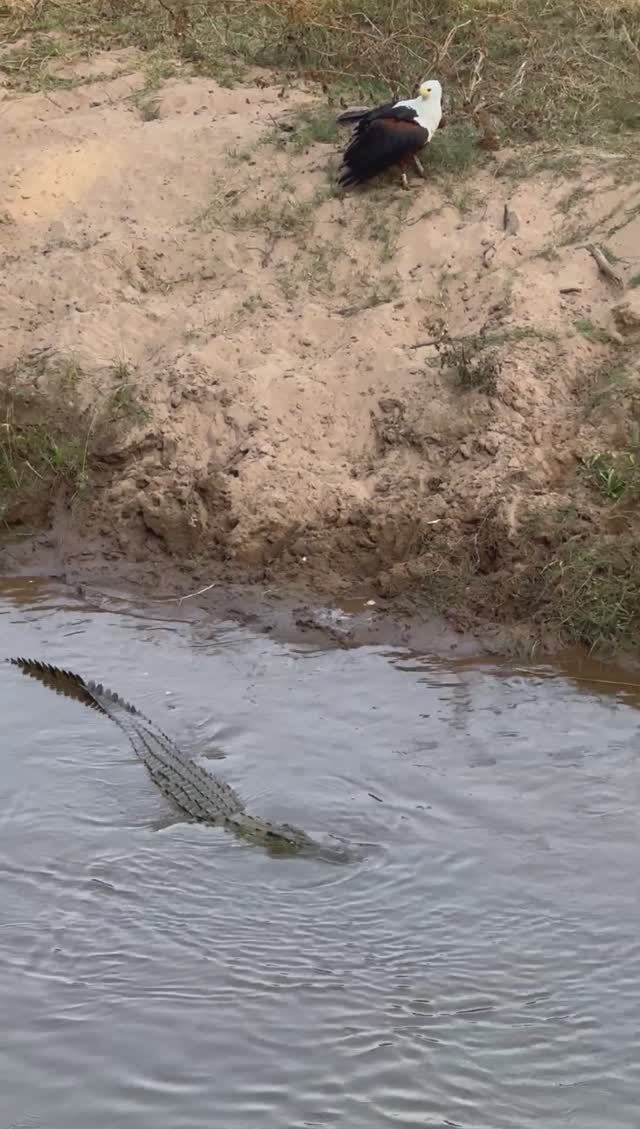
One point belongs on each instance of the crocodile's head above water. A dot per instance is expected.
(291, 841)
(282, 839)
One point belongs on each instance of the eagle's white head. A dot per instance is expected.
(429, 105)
(431, 89)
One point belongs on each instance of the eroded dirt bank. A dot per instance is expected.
(215, 367)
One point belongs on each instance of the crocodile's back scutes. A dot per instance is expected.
(196, 792)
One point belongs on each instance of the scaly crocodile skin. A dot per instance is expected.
(194, 791)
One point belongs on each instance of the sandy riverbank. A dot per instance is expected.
(390, 396)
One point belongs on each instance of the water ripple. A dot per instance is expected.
(475, 963)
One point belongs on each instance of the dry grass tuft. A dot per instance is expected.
(534, 68)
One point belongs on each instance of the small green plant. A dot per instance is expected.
(634, 281)
(452, 151)
(609, 382)
(382, 221)
(549, 253)
(474, 368)
(592, 332)
(615, 475)
(276, 216)
(575, 196)
(313, 124)
(252, 303)
(237, 156)
(149, 109)
(124, 402)
(465, 200)
(160, 67)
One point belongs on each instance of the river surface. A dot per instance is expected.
(476, 964)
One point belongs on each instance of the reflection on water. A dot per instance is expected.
(477, 966)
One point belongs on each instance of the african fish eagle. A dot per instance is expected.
(392, 134)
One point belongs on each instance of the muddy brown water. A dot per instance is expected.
(477, 965)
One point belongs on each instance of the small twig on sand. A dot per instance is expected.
(604, 266)
(423, 344)
(286, 127)
(632, 45)
(190, 595)
(269, 249)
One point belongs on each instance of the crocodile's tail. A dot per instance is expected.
(61, 681)
(92, 694)
(196, 792)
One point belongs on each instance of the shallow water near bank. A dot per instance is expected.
(476, 965)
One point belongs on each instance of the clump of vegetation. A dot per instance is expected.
(595, 592)
(43, 437)
(453, 150)
(50, 443)
(543, 67)
(278, 216)
(615, 475)
(149, 109)
(381, 219)
(312, 124)
(594, 333)
(610, 382)
(123, 402)
(475, 367)
(33, 455)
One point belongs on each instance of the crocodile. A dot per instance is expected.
(192, 790)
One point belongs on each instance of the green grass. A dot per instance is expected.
(616, 476)
(312, 125)
(279, 216)
(42, 448)
(634, 281)
(473, 366)
(49, 442)
(595, 592)
(381, 219)
(33, 450)
(576, 196)
(149, 109)
(526, 163)
(452, 152)
(123, 402)
(546, 68)
(611, 381)
(592, 332)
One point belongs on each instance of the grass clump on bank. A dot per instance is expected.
(50, 444)
(596, 593)
(616, 476)
(44, 439)
(545, 68)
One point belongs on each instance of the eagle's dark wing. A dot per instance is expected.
(362, 114)
(384, 141)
